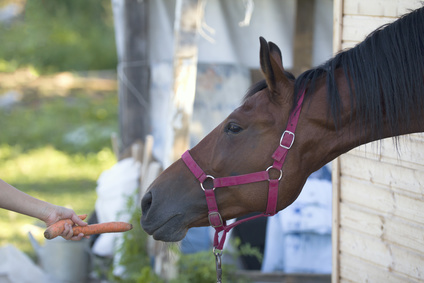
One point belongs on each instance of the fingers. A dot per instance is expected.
(77, 220)
(79, 237)
(68, 234)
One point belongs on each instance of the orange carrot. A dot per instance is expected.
(107, 227)
(57, 228)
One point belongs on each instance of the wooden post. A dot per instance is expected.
(336, 174)
(181, 108)
(185, 71)
(131, 32)
(337, 25)
(335, 239)
(304, 36)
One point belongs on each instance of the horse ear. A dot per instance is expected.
(272, 66)
(276, 55)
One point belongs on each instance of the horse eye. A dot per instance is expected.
(233, 128)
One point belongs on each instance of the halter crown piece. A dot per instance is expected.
(279, 156)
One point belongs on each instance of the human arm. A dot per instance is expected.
(20, 202)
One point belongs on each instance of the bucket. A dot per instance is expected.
(64, 261)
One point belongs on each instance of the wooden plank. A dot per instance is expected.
(390, 257)
(353, 269)
(348, 44)
(376, 198)
(404, 234)
(381, 8)
(356, 28)
(417, 136)
(382, 200)
(391, 230)
(337, 46)
(409, 152)
(393, 176)
(355, 218)
(337, 25)
(335, 175)
(409, 208)
(408, 264)
(367, 248)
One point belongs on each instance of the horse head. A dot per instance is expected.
(243, 143)
(372, 91)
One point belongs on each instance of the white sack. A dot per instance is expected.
(114, 187)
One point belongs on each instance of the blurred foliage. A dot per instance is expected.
(201, 266)
(55, 36)
(77, 123)
(54, 148)
(134, 257)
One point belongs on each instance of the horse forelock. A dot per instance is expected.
(261, 85)
(386, 72)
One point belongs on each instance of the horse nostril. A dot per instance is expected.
(146, 202)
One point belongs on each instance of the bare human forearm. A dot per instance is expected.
(20, 202)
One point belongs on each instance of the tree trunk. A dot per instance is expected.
(185, 71)
(131, 31)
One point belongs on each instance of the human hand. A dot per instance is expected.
(68, 233)
(60, 213)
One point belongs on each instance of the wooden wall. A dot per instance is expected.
(378, 191)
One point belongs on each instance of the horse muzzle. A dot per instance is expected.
(167, 226)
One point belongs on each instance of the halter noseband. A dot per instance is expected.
(279, 155)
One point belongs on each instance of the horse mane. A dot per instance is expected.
(385, 75)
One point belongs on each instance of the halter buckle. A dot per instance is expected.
(214, 218)
(282, 139)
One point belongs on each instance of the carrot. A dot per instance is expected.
(57, 228)
(107, 227)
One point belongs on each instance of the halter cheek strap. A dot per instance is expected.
(279, 156)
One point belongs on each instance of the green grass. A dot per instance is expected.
(54, 148)
(78, 123)
(54, 36)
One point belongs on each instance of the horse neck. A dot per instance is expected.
(326, 139)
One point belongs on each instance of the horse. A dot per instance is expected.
(372, 91)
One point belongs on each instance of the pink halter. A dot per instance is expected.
(215, 219)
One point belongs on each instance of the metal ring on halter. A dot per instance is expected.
(216, 251)
(281, 173)
(207, 176)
